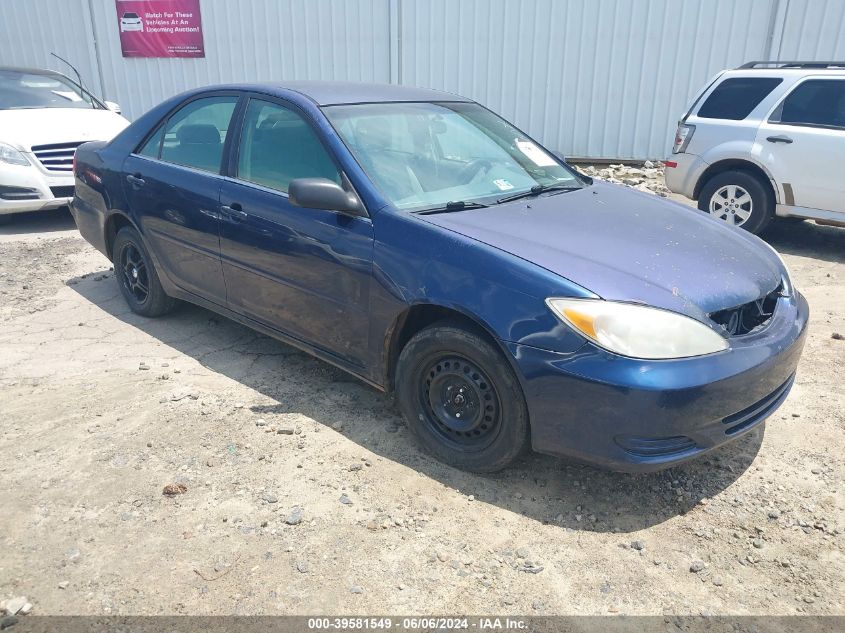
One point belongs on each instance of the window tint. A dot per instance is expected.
(814, 102)
(153, 145)
(735, 98)
(277, 146)
(194, 135)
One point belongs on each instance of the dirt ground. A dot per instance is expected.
(304, 493)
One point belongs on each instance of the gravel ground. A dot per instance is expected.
(296, 490)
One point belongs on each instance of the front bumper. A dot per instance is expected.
(636, 415)
(685, 175)
(29, 188)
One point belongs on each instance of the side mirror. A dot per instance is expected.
(322, 193)
(114, 107)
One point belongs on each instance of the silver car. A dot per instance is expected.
(765, 140)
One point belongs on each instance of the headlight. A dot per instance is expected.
(638, 331)
(9, 154)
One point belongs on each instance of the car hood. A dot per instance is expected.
(625, 245)
(40, 126)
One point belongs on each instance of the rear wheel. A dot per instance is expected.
(738, 198)
(137, 277)
(461, 399)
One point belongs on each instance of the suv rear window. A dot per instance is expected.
(736, 97)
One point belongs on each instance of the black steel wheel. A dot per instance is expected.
(460, 402)
(461, 399)
(137, 277)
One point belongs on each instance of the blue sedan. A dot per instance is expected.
(422, 243)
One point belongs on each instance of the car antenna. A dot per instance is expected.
(78, 76)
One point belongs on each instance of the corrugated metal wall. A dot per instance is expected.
(592, 78)
(602, 79)
(810, 30)
(31, 29)
(258, 40)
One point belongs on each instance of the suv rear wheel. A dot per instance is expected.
(739, 199)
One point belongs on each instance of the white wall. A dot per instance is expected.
(592, 78)
(255, 40)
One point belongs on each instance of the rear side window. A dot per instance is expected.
(194, 135)
(278, 146)
(735, 98)
(816, 102)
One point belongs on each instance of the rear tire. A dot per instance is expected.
(461, 399)
(739, 199)
(137, 277)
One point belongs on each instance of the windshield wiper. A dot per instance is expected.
(536, 190)
(449, 207)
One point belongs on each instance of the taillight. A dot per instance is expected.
(683, 137)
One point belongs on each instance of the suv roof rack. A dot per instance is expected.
(783, 64)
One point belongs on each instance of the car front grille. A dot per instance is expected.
(749, 317)
(56, 157)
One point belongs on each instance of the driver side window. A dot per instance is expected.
(278, 146)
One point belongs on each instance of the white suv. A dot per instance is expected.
(44, 117)
(765, 140)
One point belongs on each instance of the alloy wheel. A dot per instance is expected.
(731, 204)
(133, 271)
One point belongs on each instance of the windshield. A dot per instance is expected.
(19, 90)
(425, 155)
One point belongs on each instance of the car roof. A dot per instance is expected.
(347, 92)
(783, 72)
(31, 71)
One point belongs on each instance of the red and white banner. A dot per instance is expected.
(160, 28)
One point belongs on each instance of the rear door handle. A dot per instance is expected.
(234, 212)
(779, 139)
(136, 180)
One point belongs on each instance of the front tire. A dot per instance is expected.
(137, 277)
(738, 198)
(461, 399)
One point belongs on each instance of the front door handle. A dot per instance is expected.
(779, 139)
(234, 212)
(136, 180)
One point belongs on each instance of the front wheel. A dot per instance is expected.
(136, 275)
(739, 199)
(461, 399)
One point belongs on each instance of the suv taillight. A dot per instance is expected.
(683, 137)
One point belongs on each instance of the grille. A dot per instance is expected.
(18, 193)
(57, 156)
(62, 192)
(656, 446)
(749, 317)
(758, 411)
